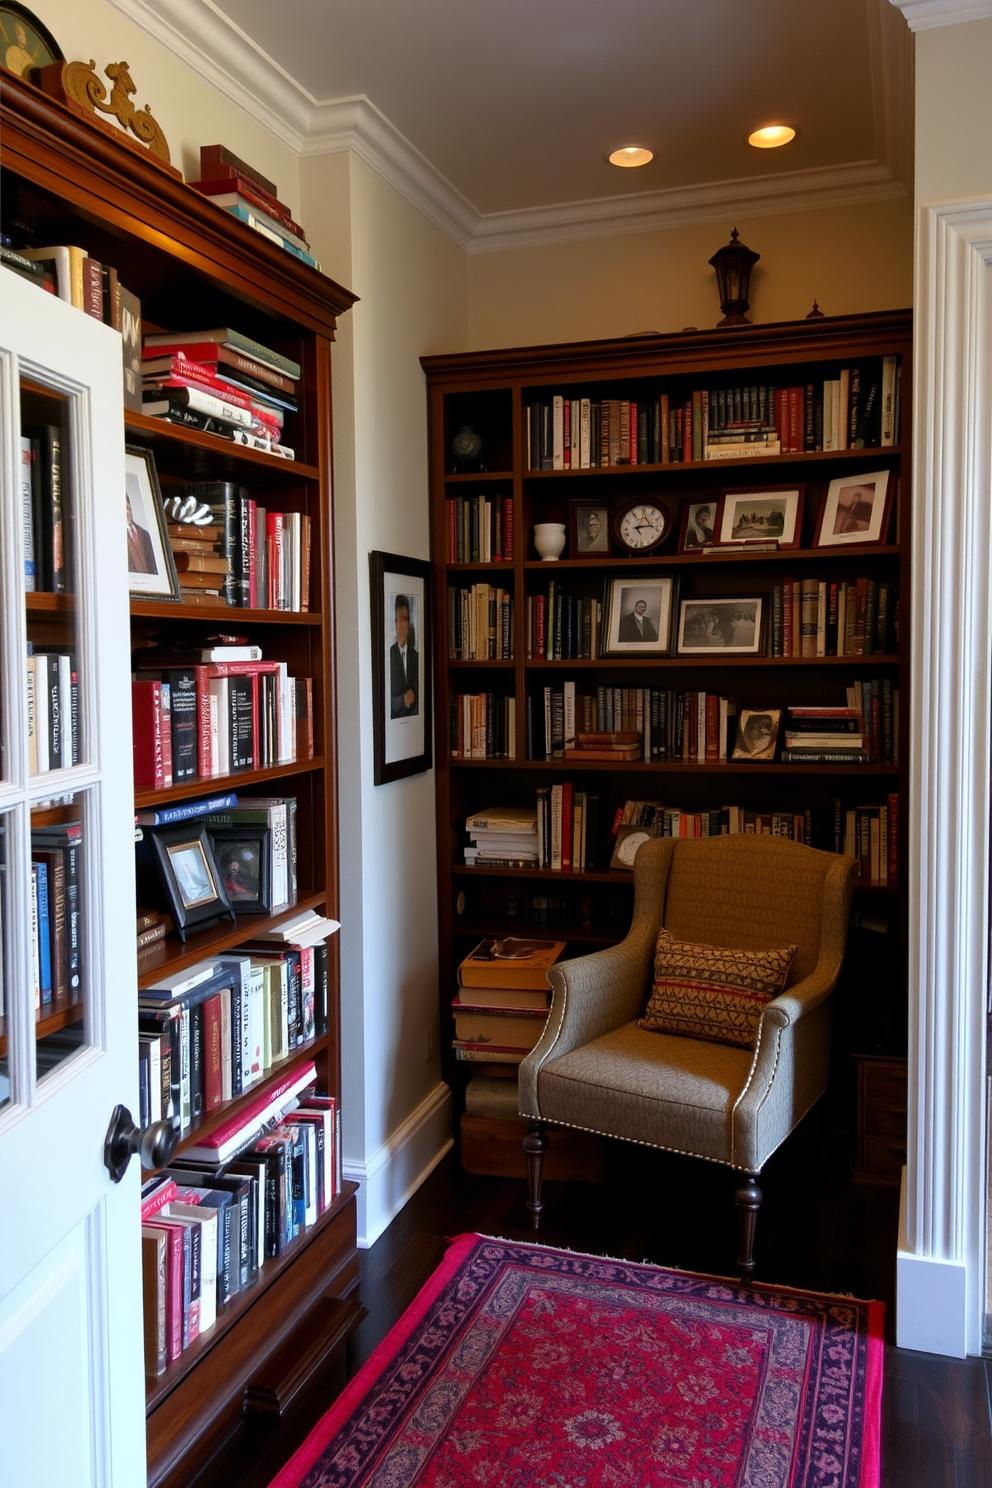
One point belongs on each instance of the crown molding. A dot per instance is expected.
(925, 15)
(208, 42)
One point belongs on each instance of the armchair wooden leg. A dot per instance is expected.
(535, 1146)
(748, 1203)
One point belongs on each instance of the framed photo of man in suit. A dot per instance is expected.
(151, 567)
(637, 617)
(401, 666)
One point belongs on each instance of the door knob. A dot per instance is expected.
(155, 1143)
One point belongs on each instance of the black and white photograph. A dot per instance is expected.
(638, 617)
(856, 510)
(400, 598)
(757, 734)
(769, 514)
(189, 874)
(151, 567)
(589, 529)
(244, 859)
(700, 523)
(724, 627)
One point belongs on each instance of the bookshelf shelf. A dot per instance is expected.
(198, 456)
(714, 663)
(700, 561)
(170, 614)
(170, 954)
(711, 467)
(216, 784)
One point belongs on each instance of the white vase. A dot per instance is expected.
(549, 540)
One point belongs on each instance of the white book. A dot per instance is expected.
(32, 719)
(68, 265)
(41, 686)
(206, 1218)
(888, 400)
(557, 432)
(27, 511)
(287, 734)
(65, 705)
(153, 1043)
(219, 694)
(155, 401)
(185, 1093)
(585, 415)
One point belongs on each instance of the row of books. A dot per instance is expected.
(52, 710)
(864, 730)
(501, 1007)
(261, 558)
(57, 914)
(208, 1227)
(276, 815)
(859, 408)
(197, 722)
(483, 725)
(480, 623)
(241, 190)
(46, 511)
(563, 626)
(480, 529)
(819, 617)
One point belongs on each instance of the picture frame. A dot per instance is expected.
(244, 862)
(589, 526)
(637, 616)
(757, 734)
(722, 626)
(25, 44)
(855, 510)
(754, 514)
(151, 567)
(629, 839)
(401, 681)
(700, 524)
(186, 864)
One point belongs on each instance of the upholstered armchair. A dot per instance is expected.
(595, 1069)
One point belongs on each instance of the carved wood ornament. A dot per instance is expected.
(77, 85)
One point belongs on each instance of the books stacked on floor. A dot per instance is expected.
(196, 719)
(503, 1000)
(56, 915)
(243, 191)
(238, 1198)
(52, 710)
(220, 382)
(247, 556)
(825, 735)
(502, 837)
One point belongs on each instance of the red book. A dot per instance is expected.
(253, 195)
(173, 1285)
(182, 375)
(158, 1200)
(221, 1144)
(212, 1087)
(150, 759)
(209, 353)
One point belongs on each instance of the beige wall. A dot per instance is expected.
(849, 259)
(954, 112)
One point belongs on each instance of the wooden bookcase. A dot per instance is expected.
(192, 265)
(491, 392)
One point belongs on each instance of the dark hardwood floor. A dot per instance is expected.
(816, 1230)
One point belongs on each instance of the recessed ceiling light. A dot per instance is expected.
(631, 155)
(771, 136)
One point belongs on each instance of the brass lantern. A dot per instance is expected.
(733, 265)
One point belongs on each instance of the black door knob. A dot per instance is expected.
(155, 1144)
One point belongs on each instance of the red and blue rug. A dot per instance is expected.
(519, 1366)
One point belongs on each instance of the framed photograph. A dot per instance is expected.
(757, 734)
(700, 524)
(637, 617)
(766, 514)
(188, 869)
(589, 529)
(151, 567)
(721, 627)
(401, 666)
(24, 42)
(856, 509)
(244, 861)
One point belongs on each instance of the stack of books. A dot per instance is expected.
(622, 744)
(824, 735)
(503, 1000)
(243, 191)
(503, 837)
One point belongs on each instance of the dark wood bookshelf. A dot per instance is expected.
(152, 609)
(217, 784)
(170, 954)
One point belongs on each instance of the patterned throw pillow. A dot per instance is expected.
(711, 992)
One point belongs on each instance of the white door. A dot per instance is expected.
(71, 1358)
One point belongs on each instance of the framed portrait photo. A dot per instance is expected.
(589, 525)
(151, 567)
(765, 514)
(721, 627)
(856, 510)
(637, 617)
(757, 734)
(24, 42)
(401, 666)
(244, 861)
(700, 524)
(188, 869)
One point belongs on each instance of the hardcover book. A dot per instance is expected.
(510, 962)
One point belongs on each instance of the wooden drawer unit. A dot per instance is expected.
(882, 1085)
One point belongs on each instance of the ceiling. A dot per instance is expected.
(502, 112)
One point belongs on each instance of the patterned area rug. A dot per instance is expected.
(519, 1366)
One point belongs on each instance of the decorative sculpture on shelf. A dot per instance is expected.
(77, 85)
(733, 264)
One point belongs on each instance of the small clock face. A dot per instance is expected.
(627, 849)
(642, 526)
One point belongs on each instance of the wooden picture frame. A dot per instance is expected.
(855, 510)
(589, 529)
(724, 626)
(151, 566)
(401, 666)
(185, 860)
(37, 48)
(700, 524)
(652, 599)
(757, 734)
(761, 514)
(244, 862)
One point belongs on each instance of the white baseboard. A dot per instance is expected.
(931, 1299)
(389, 1177)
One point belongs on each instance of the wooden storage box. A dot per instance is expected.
(494, 1145)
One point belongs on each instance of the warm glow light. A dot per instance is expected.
(631, 155)
(771, 136)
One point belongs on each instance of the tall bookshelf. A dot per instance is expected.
(493, 393)
(192, 265)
